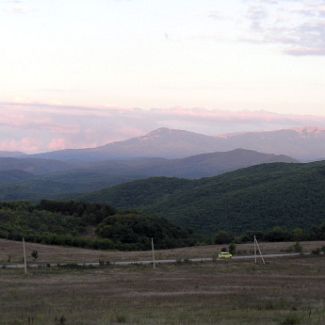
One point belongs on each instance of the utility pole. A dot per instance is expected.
(153, 254)
(257, 247)
(255, 257)
(25, 258)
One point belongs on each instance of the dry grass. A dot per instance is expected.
(10, 250)
(281, 292)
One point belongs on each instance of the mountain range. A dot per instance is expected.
(163, 152)
(305, 144)
(34, 178)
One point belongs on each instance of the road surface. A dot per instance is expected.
(126, 263)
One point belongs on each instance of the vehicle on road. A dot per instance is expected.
(224, 256)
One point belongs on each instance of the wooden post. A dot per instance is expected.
(25, 258)
(153, 254)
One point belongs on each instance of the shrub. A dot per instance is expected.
(34, 254)
(316, 251)
(298, 248)
(232, 248)
(223, 237)
(291, 320)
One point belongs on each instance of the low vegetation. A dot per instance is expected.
(282, 292)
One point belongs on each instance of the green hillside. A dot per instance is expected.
(255, 198)
(87, 225)
(36, 179)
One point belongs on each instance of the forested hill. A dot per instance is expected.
(255, 198)
(87, 225)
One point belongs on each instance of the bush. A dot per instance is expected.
(223, 237)
(232, 248)
(316, 251)
(298, 248)
(34, 254)
(291, 320)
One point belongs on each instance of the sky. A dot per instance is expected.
(81, 73)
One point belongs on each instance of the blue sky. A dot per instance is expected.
(234, 55)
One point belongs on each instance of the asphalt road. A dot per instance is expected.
(126, 263)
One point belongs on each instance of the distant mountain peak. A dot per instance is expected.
(164, 131)
(161, 130)
(158, 133)
(167, 131)
(309, 130)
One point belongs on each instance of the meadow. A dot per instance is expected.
(284, 291)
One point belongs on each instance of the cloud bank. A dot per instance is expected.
(37, 128)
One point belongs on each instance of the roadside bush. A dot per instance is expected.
(223, 237)
(297, 248)
(316, 251)
(291, 320)
(34, 254)
(232, 248)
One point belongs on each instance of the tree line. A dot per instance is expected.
(96, 226)
(275, 234)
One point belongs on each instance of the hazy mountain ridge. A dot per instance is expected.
(34, 165)
(303, 144)
(63, 178)
(12, 154)
(14, 176)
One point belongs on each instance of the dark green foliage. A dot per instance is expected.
(298, 234)
(316, 251)
(223, 237)
(297, 247)
(232, 248)
(140, 193)
(282, 234)
(278, 234)
(257, 198)
(34, 254)
(86, 225)
(291, 320)
(134, 229)
(90, 213)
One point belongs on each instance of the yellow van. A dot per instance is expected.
(224, 256)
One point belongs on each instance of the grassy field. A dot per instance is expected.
(12, 251)
(285, 291)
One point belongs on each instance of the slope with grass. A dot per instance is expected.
(256, 198)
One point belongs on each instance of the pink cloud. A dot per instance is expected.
(57, 144)
(37, 127)
(25, 145)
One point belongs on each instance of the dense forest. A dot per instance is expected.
(276, 202)
(87, 225)
(99, 226)
(252, 199)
